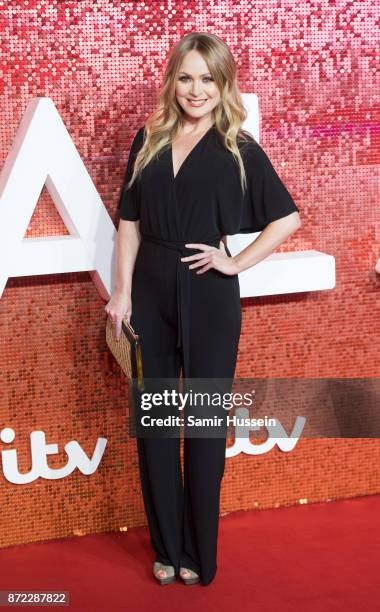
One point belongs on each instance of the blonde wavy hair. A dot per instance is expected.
(165, 122)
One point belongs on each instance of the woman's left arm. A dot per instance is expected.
(274, 234)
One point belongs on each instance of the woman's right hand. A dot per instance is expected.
(118, 308)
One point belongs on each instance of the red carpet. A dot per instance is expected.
(314, 557)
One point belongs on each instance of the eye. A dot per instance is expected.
(185, 78)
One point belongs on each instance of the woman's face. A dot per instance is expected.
(195, 82)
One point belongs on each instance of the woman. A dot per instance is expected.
(193, 177)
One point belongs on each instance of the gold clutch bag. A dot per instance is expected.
(126, 350)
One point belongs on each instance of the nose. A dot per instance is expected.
(196, 89)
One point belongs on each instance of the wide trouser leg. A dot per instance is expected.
(204, 464)
(203, 473)
(214, 362)
(162, 488)
(162, 483)
(154, 316)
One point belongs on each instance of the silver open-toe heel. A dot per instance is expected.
(192, 578)
(168, 569)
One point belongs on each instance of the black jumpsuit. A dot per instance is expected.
(191, 321)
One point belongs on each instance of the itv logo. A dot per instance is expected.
(40, 450)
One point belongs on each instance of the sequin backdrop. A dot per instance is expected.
(314, 67)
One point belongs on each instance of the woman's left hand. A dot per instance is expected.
(211, 257)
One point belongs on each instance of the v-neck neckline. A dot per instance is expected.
(188, 155)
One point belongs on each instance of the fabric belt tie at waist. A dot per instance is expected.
(183, 288)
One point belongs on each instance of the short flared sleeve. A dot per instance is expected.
(266, 198)
(129, 200)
